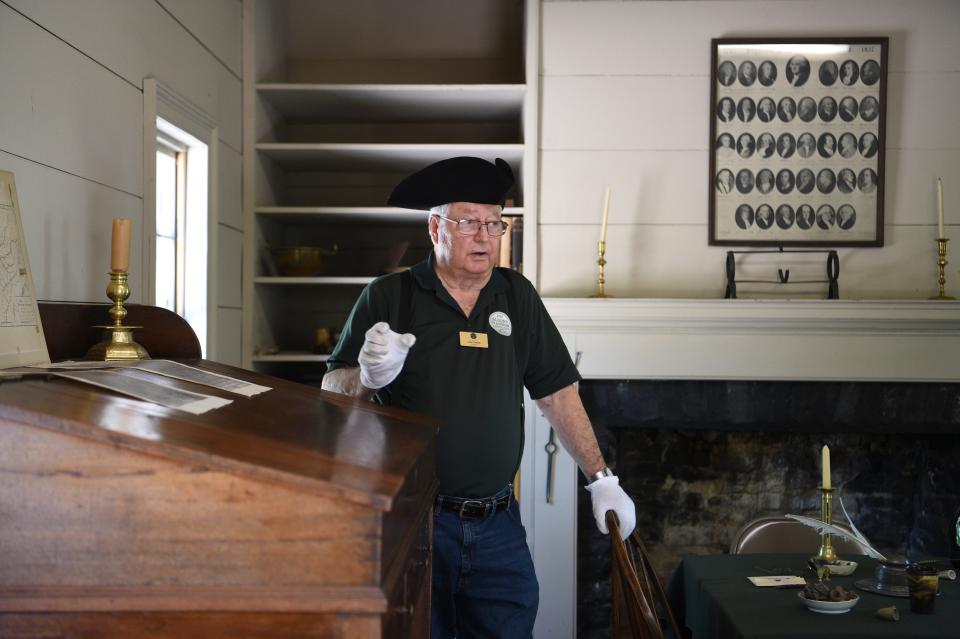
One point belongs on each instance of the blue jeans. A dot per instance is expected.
(483, 579)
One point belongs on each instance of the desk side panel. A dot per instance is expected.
(81, 514)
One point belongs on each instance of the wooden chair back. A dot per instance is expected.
(637, 591)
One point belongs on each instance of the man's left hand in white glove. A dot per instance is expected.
(606, 494)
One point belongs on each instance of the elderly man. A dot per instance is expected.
(458, 339)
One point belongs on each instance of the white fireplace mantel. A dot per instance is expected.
(761, 339)
(860, 340)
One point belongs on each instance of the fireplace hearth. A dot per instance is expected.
(701, 458)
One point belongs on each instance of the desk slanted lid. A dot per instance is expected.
(296, 435)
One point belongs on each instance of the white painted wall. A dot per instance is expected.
(625, 102)
(71, 129)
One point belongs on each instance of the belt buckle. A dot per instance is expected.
(463, 506)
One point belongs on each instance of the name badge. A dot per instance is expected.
(473, 340)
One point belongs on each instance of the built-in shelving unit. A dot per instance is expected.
(336, 121)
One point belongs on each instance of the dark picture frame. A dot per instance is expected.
(797, 136)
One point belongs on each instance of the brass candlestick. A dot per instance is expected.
(601, 280)
(120, 346)
(827, 553)
(942, 263)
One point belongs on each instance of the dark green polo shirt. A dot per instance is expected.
(476, 393)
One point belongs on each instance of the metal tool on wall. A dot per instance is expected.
(552, 449)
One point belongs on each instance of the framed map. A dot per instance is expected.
(21, 333)
(797, 138)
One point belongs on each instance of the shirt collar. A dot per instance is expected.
(426, 276)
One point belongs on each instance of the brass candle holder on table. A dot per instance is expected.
(120, 346)
(827, 553)
(942, 263)
(602, 262)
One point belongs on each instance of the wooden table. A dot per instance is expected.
(711, 596)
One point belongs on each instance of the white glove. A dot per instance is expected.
(382, 355)
(606, 494)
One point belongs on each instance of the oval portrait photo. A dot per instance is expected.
(807, 109)
(784, 216)
(828, 73)
(766, 109)
(785, 181)
(828, 109)
(805, 181)
(744, 180)
(804, 216)
(848, 109)
(846, 181)
(764, 216)
(767, 73)
(748, 73)
(746, 109)
(765, 181)
(786, 109)
(765, 145)
(726, 110)
(846, 217)
(806, 145)
(826, 181)
(745, 145)
(827, 145)
(849, 73)
(825, 217)
(744, 216)
(724, 181)
(870, 72)
(847, 145)
(726, 73)
(868, 145)
(798, 70)
(869, 108)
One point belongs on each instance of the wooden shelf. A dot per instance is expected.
(352, 214)
(314, 281)
(396, 102)
(397, 158)
(291, 356)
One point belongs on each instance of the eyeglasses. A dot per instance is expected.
(495, 228)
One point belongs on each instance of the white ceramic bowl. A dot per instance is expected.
(841, 568)
(829, 607)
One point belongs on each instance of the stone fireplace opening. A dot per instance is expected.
(701, 458)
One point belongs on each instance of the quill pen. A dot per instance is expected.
(823, 527)
(860, 536)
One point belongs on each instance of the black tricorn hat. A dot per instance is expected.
(461, 179)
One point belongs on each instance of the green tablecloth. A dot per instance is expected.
(711, 596)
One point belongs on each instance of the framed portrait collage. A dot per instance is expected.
(797, 133)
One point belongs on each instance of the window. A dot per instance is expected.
(181, 242)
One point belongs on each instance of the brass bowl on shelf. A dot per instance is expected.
(301, 261)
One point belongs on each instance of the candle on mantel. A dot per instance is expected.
(826, 467)
(120, 245)
(940, 208)
(606, 211)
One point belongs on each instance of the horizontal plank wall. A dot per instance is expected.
(71, 129)
(625, 99)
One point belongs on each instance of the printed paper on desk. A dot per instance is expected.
(778, 581)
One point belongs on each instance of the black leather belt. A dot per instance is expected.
(474, 508)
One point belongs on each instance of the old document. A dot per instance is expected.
(136, 384)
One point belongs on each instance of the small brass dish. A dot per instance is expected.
(301, 261)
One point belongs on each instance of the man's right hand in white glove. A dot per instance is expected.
(382, 355)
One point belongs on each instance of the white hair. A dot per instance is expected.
(441, 209)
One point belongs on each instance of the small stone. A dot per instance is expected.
(890, 614)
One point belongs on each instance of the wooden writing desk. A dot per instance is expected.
(295, 513)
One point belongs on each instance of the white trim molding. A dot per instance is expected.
(159, 100)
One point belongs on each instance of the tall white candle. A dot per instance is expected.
(940, 208)
(826, 466)
(606, 211)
